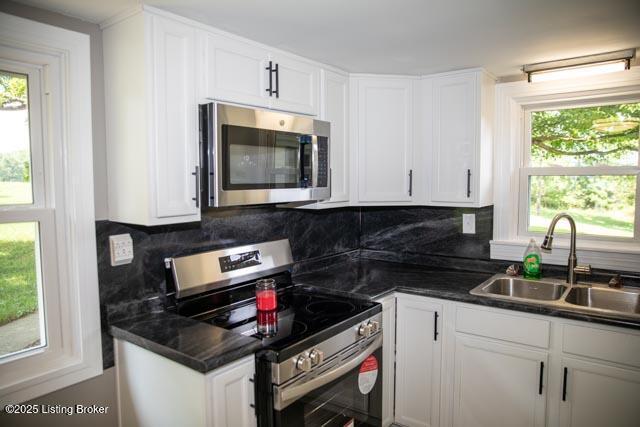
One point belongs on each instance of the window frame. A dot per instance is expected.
(526, 171)
(513, 100)
(63, 205)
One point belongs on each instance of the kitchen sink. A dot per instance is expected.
(593, 298)
(605, 299)
(529, 289)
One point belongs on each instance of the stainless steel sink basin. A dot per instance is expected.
(520, 288)
(592, 298)
(605, 299)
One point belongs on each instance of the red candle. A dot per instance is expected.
(266, 296)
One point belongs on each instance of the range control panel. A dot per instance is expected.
(239, 261)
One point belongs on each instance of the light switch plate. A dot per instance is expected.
(121, 249)
(469, 223)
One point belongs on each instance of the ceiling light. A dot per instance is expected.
(580, 67)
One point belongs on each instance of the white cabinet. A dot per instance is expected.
(389, 358)
(335, 109)
(234, 71)
(595, 395)
(231, 395)
(151, 120)
(297, 83)
(243, 72)
(457, 125)
(498, 384)
(383, 138)
(418, 361)
(179, 395)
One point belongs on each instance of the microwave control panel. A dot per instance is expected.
(323, 162)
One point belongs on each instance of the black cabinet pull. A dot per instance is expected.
(270, 70)
(277, 91)
(410, 182)
(468, 183)
(435, 326)
(541, 375)
(564, 385)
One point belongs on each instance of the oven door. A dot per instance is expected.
(346, 391)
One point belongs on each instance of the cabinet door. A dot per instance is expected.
(234, 71)
(385, 140)
(453, 138)
(298, 85)
(498, 385)
(389, 358)
(174, 136)
(335, 109)
(418, 357)
(598, 395)
(231, 395)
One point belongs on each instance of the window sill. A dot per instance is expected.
(609, 256)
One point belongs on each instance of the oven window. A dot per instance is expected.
(337, 404)
(264, 159)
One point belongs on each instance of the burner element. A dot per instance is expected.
(330, 308)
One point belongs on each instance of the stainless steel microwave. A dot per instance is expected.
(251, 157)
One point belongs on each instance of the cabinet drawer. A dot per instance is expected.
(506, 327)
(611, 346)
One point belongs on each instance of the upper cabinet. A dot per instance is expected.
(383, 138)
(247, 73)
(151, 119)
(457, 129)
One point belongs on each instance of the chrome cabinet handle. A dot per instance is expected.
(468, 183)
(196, 173)
(541, 375)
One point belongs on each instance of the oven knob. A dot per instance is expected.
(364, 330)
(316, 356)
(375, 326)
(303, 363)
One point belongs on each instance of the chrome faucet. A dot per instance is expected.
(572, 264)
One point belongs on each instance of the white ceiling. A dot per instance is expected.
(408, 36)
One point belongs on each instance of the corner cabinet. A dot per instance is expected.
(457, 128)
(151, 120)
(181, 396)
(383, 140)
(246, 72)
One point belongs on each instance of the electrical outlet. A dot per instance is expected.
(121, 249)
(469, 223)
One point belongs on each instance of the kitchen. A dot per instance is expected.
(376, 189)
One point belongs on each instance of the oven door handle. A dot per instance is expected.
(286, 396)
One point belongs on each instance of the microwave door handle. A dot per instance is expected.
(286, 396)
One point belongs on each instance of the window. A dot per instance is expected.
(49, 310)
(21, 311)
(582, 160)
(569, 145)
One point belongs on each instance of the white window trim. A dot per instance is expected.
(508, 241)
(74, 351)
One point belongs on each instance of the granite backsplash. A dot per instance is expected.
(422, 234)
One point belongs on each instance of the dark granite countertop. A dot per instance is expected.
(195, 344)
(204, 347)
(372, 279)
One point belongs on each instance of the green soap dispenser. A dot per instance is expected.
(532, 261)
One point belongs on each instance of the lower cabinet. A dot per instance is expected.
(596, 395)
(498, 385)
(388, 357)
(489, 367)
(154, 391)
(418, 361)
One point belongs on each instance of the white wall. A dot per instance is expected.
(99, 391)
(97, 88)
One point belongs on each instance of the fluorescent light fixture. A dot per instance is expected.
(580, 67)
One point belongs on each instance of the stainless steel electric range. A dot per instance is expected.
(321, 357)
